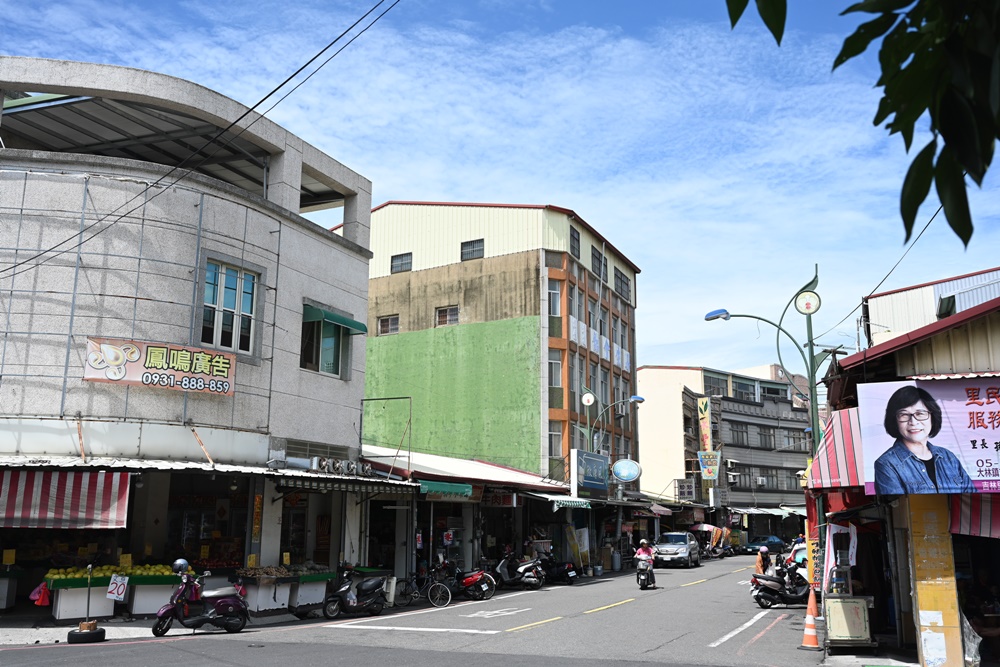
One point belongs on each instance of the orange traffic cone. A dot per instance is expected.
(809, 639)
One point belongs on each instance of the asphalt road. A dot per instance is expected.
(702, 616)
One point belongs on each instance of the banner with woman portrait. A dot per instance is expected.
(937, 436)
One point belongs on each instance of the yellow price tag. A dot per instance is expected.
(125, 560)
(252, 560)
(92, 548)
(286, 558)
(82, 552)
(216, 534)
(205, 550)
(148, 550)
(8, 556)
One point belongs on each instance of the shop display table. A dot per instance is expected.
(309, 591)
(268, 595)
(8, 587)
(69, 598)
(147, 593)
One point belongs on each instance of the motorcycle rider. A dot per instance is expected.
(646, 550)
(763, 562)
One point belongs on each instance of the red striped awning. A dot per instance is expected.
(56, 499)
(975, 514)
(838, 459)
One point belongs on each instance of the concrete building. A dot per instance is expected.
(757, 430)
(174, 330)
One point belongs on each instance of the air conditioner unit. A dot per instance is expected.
(733, 477)
(761, 481)
(366, 469)
(351, 468)
(338, 466)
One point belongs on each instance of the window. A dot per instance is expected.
(773, 392)
(766, 437)
(401, 263)
(592, 385)
(739, 433)
(472, 249)
(581, 304)
(388, 325)
(745, 391)
(574, 241)
(796, 442)
(603, 396)
(571, 300)
(598, 263)
(555, 368)
(623, 285)
(614, 330)
(323, 344)
(228, 311)
(624, 337)
(447, 316)
(555, 296)
(555, 439)
(716, 386)
(593, 313)
(603, 329)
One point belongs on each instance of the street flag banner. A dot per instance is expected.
(709, 464)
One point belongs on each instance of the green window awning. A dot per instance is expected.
(571, 503)
(314, 314)
(446, 488)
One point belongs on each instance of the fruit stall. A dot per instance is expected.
(69, 590)
(309, 592)
(268, 588)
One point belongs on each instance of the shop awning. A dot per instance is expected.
(660, 510)
(838, 459)
(560, 502)
(446, 488)
(975, 514)
(58, 499)
(314, 314)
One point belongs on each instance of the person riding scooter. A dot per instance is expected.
(763, 562)
(646, 550)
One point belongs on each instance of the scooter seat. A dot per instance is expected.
(369, 585)
(220, 592)
(767, 577)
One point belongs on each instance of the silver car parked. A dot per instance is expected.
(677, 549)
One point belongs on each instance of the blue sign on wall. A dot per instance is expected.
(589, 473)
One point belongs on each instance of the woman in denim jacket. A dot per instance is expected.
(912, 464)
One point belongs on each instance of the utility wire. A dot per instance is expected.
(50, 253)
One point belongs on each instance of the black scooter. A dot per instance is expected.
(367, 597)
(786, 588)
(555, 571)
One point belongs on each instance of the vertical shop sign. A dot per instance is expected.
(258, 510)
(705, 423)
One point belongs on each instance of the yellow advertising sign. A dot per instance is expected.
(8, 556)
(286, 558)
(125, 560)
(252, 560)
(163, 365)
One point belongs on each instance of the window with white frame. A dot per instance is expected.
(401, 263)
(446, 316)
(555, 297)
(555, 368)
(555, 438)
(472, 249)
(388, 325)
(228, 309)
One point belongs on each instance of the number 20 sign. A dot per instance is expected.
(117, 587)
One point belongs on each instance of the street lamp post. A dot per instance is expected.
(588, 399)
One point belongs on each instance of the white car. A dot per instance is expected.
(677, 549)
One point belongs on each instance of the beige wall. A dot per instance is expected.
(661, 425)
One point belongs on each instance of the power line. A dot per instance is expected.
(50, 253)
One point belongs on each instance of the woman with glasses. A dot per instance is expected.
(913, 464)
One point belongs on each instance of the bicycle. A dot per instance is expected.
(408, 590)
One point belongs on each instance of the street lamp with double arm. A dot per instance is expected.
(588, 399)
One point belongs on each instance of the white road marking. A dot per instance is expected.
(496, 612)
(402, 629)
(738, 630)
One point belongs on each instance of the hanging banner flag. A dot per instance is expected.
(709, 464)
(705, 423)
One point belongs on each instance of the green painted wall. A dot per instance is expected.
(475, 387)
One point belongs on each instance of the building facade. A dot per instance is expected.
(178, 341)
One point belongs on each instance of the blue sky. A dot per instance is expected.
(723, 166)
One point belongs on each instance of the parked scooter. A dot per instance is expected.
(223, 607)
(367, 597)
(784, 587)
(644, 571)
(475, 585)
(554, 570)
(511, 572)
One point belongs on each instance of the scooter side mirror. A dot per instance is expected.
(208, 573)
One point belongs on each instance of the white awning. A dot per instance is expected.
(559, 502)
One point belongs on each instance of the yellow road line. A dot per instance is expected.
(531, 625)
(610, 606)
(741, 569)
(700, 581)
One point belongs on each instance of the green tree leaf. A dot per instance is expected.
(916, 185)
(774, 13)
(877, 6)
(950, 183)
(736, 9)
(857, 43)
(957, 125)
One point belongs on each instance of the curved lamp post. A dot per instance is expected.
(588, 398)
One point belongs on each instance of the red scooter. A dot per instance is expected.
(475, 585)
(224, 607)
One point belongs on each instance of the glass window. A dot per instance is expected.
(596, 258)
(603, 329)
(581, 304)
(766, 437)
(322, 347)
(388, 325)
(472, 249)
(401, 263)
(623, 285)
(228, 309)
(555, 296)
(446, 316)
(593, 313)
(716, 386)
(739, 433)
(571, 300)
(603, 396)
(555, 438)
(574, 241)
(615, 326)
(745, 391)
(555, 368)
(592, 385)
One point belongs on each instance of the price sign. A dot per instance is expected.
(286, 558)
(252, 560)
(148, 550)
(117, 587)
(82, 552)
(205, 550)
(125, 560)
(8, 556)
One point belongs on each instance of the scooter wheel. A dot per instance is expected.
(376, 609)
(763, 602)
(331, 608)
(235, 623)
(491, 587)
(162, 625)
